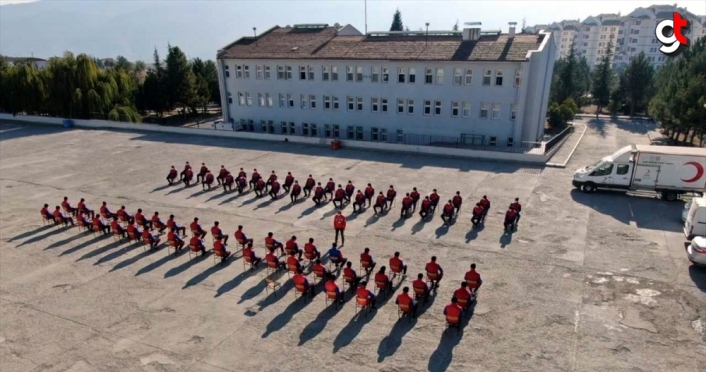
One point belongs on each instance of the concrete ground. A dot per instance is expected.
(588, 282)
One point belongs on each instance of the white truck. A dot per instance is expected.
(667, 170)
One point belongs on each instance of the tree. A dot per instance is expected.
(603, 81)
(639, 78)
(122, 63)
(571, 79)
(455, 28)
(180, 81)
(397, 22)
(140, 66)
(211, 76)
(559, 115)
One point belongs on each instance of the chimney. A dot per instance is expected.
(471, 31)
(512, 29)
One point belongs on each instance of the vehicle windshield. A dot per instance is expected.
(594, 165)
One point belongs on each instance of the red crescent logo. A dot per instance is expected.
(699, 171)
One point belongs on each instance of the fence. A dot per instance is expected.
(473, 142)
(554, 141)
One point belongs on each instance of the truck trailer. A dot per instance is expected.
(667, 170)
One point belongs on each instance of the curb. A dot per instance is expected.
(563, 165)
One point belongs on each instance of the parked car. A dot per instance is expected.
(685, 211)
(697, 250)
(695, 224)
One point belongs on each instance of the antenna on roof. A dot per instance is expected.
(254, 31)
(366, 16)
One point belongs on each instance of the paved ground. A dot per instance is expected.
(589, 282)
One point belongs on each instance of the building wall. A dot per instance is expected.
(536, 95)
(417, 123)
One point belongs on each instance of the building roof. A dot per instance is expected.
(22, 59)
(324, 43)
(611, 22)
(591, 21)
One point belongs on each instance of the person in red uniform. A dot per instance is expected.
(219, 246)
(339, 224)
(157, 223)
(187, 167)
(448, 212)
(273, 244)
(242, 173)
(405, 299)
(300, 280)
(248, 251)
(240, 236)
(105, 212)
(434, 268)
(270, 180)
(369, 194)
(207, 180)
(308, 186)
(196, 229)
(390, 199)
(415, 198)
(453, 310)
(242, 182)
(172, 175)
(202, 173)
(148, 237)
(510, 218)
(517, 207)
(457, 201)
(172, 236)
(274, 189)
(397, 265)
(260, 188)
(350, 189)
(188, 176)
(320, 268)
(359, 202)
(473, 279)
(425, 210)
(254, 178)
(58, 216)
(329, 189)
(348, 272)
(171, 224)
(98, 225)
(331, 286)
(478, 212)
(67, 206)
(228, 182)
(217, 233)
(296, 191)
(339, 197)
(80, 219)
(310, 249)
(363, 292)
(381, 277)
(292, 261)
(271, 257)
(198, 243)
(366, 257)
(123, 214)
(46, 213)
(464, 296)
(222, 173)
(82, 207)
(421, 289)
(435, 198)
(141, 220)
(406, 206)
(380, 203)
(117, 229)
(132, 231)
(485, 203)
(288, 182)
(318, 194)
(292, 248)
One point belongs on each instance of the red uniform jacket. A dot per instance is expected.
(255, 176)
(209, 178)
(203, 170)
(269, 241)
(452, 310)
(369, 192)
(404, 300)
(462, 294)
(434, 197)
(296, 189)
(510, 216)
(272, 178)
(414, 195)
(172, 173)
(310, 182)
(187, 167)
(309, 248)
(472, 278)
(223, 172)
(366, 257)
(339, 222)
(188, 174)
(426, 204)
(448, 208)
(239, 235)
(350, 189)
(396, 263)
(477, 211)
(229, 179)
(275, 186)
(330, 186)
(195, 241)
(289, 180)
(331, 286)
(260, 184)
(146, 235)
(194, 226)
(485, 203)
(115, 226)
(380, 200)
(242, 174)
(216, 231)
(516, 207)
(319, 191)
(172, 236)
(218, 246)
(290, 245)
(340, 194)
(349, 273)
(380, 277)
(359, 198)
(171, 223)
(300, 280)
(391, 194)
(292, 261)
(156, 221)
(406, 201)
(457, 200)
(432, 267)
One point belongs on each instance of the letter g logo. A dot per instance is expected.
(672, 44)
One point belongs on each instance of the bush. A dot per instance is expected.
(559, 115)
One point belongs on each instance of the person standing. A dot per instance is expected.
(339, 224)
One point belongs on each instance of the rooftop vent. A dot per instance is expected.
(471, 31)
(513, 25)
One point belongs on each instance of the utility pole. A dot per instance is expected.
(366, 16)
(426, 35)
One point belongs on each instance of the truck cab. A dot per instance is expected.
(695, 224)
(613, 171)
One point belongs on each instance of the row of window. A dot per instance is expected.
(376, 74)
(377, 104)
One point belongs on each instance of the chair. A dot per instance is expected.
(123, 219)
(269, 247)
(288, 251)
(68, 211)
(347, 280)
(365, 265)
(464, 302)
(382, 286)
(404, 309)
(217, 254)
(319, 274)
(332, 263)
(105, 217)
(58, 221)
(132, 236)
(147, 242)
(362, 303)
(421, 293)
(248, 260)
(242, 243)
(46, 220)
(432, 277)
(301, 290)
(396, 272)
(117, 235)
(453, 322)
(331, 296)
(171, 244)
(271, 285)
(82, 226)
(96, 230)
(272, 267)
(194, 250)
(309, 257)
(292, 269)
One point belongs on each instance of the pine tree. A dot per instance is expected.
(639, 79)
(603, 81)
(397, 22)
(180, 80)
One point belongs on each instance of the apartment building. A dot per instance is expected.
(483, 88)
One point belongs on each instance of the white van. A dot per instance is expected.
(695, 224)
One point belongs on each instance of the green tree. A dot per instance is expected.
(571, 79)
(180, 81)
(455, 28)
(397, 22)
(603, 78)
(140, 66)
(211, 76)
(122, 63)
(639, 78)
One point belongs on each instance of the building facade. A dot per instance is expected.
(334, 82)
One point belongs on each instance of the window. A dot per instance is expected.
(604, 169)
(290, 99)
(267, 73)
(311, 72)
(313, 130)
(469, 76)
(246, 69)
(241, 99)
(305, 129)
(327, 130)
(412, 76)
(251, 125)
(637, 23)
(487, 75)
(282, 102)
(349, 73)
(335, 103)
(336, 131)
(258, 72)
(374, 104)
(302, 72)
(305, 101)
(401, 72)
(289, 72)
(483, 110)
(374, 134)
(260, 99)
(410, 106)
(351, 103)
(359, 133)
(428, 76)
(385, 74)
(383, 104)
(466, 109)
(268, 97)
(454, 109)
(375, 74)
(227, 71)
(440, 76)
(292, 128)
(498, 77)
(280, 73)
(325, 71)
(230, 99)
(359, 74)
(457, 76)
(633, 41)
(327, 102)
(427, 107)
(510, 142)
(263, 126)
(284, 127)
(513, 111)
(238, 72)
(312, 101)
(496, 111)
(400, 136)
(359, 103)
(334, 73)
(518, 77)
(383, 135)
(622, 169)
(351, 132)
(270, 126)
(493, 141)
(400, 106)
(437, 107)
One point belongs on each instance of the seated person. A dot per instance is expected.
(197, 242)
(222, 174)
(397, 266)
(60, 218)
(310, 251)
(219, 248)
(196, 229)
(147, 237)
(288, 182)
(270, 180)
(405, 299)
(140, 220)
(188, 176)
(46, 214)
(293, 262)
(510, 218)
(240, 236)
(381, 278)
(309, 185)
(473, 279)
(248, 251)
(406, 206)
(228, 182)
(380, 203)
(123, 215)
(273, 260)
(366, 257)
(359, 202)
(105, 212)
(421, 289)
(390, 199)
(457, 201)
(171, 223)
(217, 233)
(67, 206)
(415, 198)
(271, 243)
(81, 220)
(336, 256)
(187, 166)
(157, 223)
(369, 194)
(426, 207)
(350, 189)
(207, 180)
(291, 247)
(260, 188)
(274, 189)
(363, 292)
(434, 268)
(255, 177)
(350, 276)
(172, 236)
(452, 310)
(318, 193)
(132, 231)
(242, 173)
(477, 214)
(434, 197)
(331, 286)
(463, 295)
(172, 175)
(319, 269)
(242, 182)
(448, 212)
(202, 172)
(296, 191)
(329, 189)
(485, 203)
(82, 207)
(300, 281)
(339, 197)
(117, 229)
(99, 226)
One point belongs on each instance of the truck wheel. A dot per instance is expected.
(670, 196)
(589, 188)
